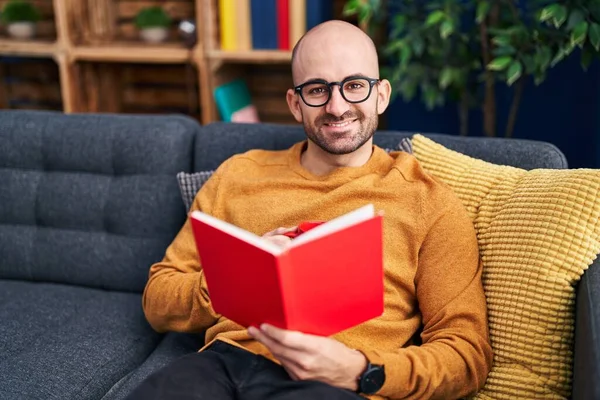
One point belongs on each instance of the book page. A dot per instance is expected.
(238, 232)
(337, 224)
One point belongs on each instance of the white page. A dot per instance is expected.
(238, 232)
(337, 224)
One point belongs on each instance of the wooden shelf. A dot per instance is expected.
(251, 56)
(133, 52)
(38, 48)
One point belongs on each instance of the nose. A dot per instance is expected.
(337, 105)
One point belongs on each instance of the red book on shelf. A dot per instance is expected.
(329, 279)
(283, 24)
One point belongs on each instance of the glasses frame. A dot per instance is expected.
(372, 82)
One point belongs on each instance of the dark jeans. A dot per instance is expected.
(223, 371)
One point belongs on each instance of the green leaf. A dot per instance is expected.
(587, 56)
(575, 18)
(446, 29)
(504, 51)
(579, 33)
(351, 7)
(543, 57)
(430, 95)
(539, 78)
(435, 18)
(399, 23)
(500, 63)
(560, 54)
(393, 47)
(529, 62)
(364, 14)
(482, 10)
(501, 40)
(594, 34)
(514, 72)
(408, 88)
(560, 15)
(405, 54)
(548, 12)
(446, 77)
(418, 45)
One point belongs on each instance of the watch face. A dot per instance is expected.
(372, 380)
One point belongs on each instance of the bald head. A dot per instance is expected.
(333, 45)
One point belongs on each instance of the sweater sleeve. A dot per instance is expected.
(176, 295)
(455, 356)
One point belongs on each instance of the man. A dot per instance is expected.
(432, 339)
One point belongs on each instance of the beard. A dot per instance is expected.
(344, 142)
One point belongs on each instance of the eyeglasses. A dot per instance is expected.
(354, 89)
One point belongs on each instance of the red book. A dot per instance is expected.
(329, 279)
(283, 24)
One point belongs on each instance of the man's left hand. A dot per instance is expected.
(310, 357)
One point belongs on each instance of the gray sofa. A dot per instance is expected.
(88, 202)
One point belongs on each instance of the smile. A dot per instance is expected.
(339, 124)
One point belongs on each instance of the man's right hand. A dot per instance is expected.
(277, 236)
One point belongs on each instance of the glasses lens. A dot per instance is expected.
(315, 93)
(356, 89)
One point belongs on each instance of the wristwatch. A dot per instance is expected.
(372, 379)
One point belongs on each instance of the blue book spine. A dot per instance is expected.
(318, 11)
(263, 14)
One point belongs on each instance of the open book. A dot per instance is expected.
(329, 279)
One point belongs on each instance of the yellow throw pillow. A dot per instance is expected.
(538, 231)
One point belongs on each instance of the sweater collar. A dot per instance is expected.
(378, 159)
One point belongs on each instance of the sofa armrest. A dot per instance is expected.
(586, 368)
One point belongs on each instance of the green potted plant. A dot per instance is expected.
(153, 24)
(20, 18)
(459, 50)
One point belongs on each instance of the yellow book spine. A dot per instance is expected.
(227, 24)
(243, 26)
(297, 12)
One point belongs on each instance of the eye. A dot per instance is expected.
(316, 90)
(358, 84)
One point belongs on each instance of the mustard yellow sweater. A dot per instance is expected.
(432, 267)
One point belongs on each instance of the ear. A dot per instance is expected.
(293, 101)
(383, 95)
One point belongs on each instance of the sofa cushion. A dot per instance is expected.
(173, 346)
(89, 199)
(538, 231)
(65, 342)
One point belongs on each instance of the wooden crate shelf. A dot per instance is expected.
(138, 88)
(30, 84)
(33, 48)
(133, 52)
(251, 56)
(97, 55)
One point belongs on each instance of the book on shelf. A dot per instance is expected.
(227, 25)
(268, 24)
(283, 24)
(263, 24)
(330, 278)
(234, 102)
(243, 28)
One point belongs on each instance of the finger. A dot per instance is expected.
(279, 240)
(292, 339)
(280, 231)
(293, 369)
(277, 349)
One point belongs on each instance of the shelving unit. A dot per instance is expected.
(103, 67)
